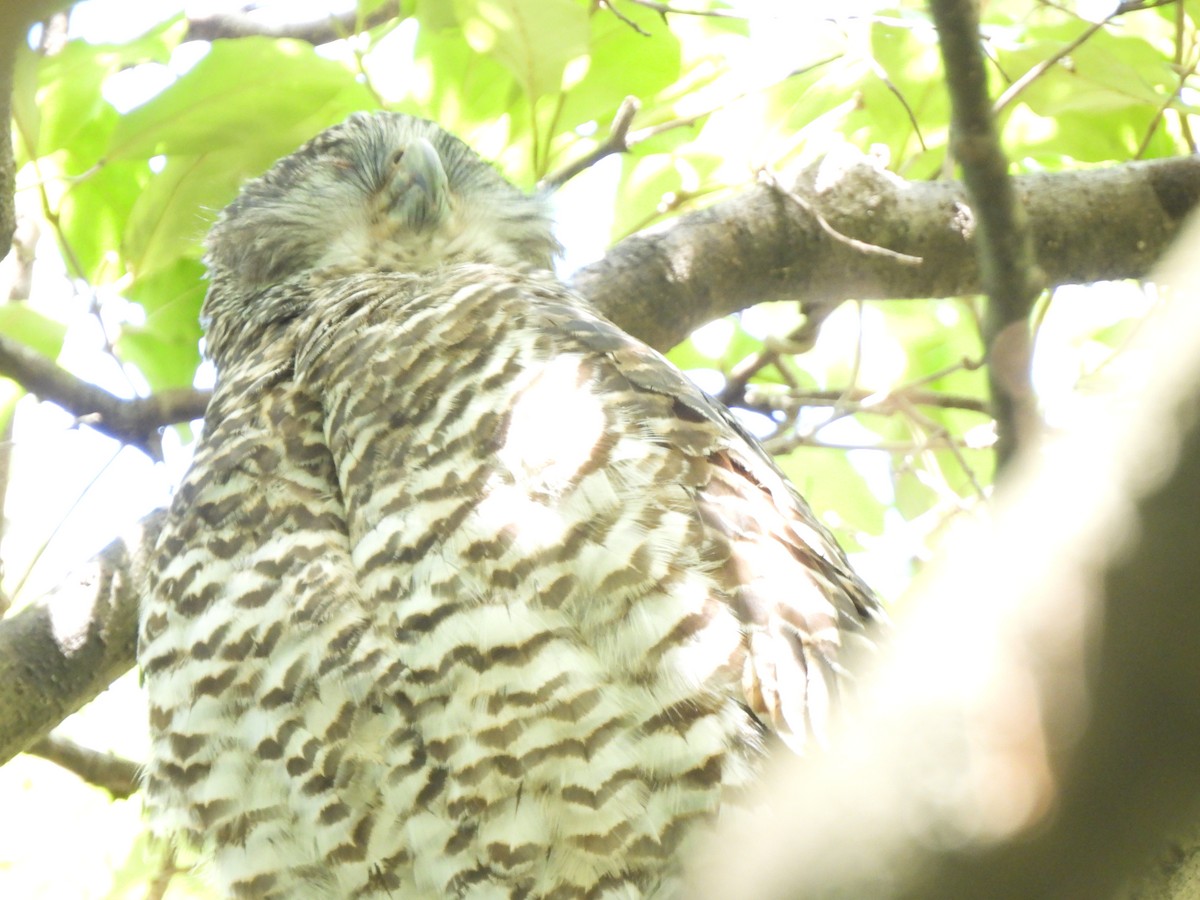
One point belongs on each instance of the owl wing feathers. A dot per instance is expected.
(792, 589)
(795, 608)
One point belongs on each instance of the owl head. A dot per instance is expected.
(381, 191)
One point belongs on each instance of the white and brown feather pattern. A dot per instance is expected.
(467, 593)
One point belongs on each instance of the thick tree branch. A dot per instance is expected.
(10, 35)
(135, 422)
(61, 651)
(315, 31)
(1032, 732)
(1008, 270)
(759, 245)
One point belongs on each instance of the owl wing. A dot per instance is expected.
(499, 395)
(796, 595)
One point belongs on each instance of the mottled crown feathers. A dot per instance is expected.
(380, 191)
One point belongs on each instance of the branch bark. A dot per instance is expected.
(320, 30)
(115, 774)
(61, 651)
(135, 422)
(15, 20)
(758, 245)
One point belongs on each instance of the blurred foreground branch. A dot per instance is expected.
(1033, 732)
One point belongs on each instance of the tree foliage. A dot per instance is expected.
(641, 115)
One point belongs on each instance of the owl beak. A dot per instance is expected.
(419, 185)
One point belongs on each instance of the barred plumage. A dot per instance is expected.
(467, 593)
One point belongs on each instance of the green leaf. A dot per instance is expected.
(1107, 72)
(904, 86)
(244, 91)
(165, 364)
(37, 331)
(27, 118)
(177, 206)
(462, 89)
(649, 181)
(92, 217)
(435, 15)
(166, 348)
(622, 63)
(534, 39)
(913, 496)
(69, 97)
(171, 298)
(832, 485)
(686, 356)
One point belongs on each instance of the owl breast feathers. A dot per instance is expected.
(467, 592)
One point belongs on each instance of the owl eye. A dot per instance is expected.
(397, 156)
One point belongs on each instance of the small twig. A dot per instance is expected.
(117, 775)
(768, 178)
(1045, 65)
(616, 142)
(938, 429)
(167, 870)
(664, 9)
(799, 340)
(1184, 74)
(884, 402)
(1014, 89)
(66, 517)
(1182, 30)
(134, 422)
(787, 443)
(841, 407)
(314, 31)
(607, 4)
(882, 75)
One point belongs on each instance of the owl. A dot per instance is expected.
(467, 593)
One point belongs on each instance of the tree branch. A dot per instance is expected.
(616, 142)
(759, 245)
(315, 31)
(15, 20)
(117, 775)
(664, 9)
(875, 401)
(62, 650)
(134, 422)
(1008, 270)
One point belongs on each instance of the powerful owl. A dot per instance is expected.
(467, 592)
